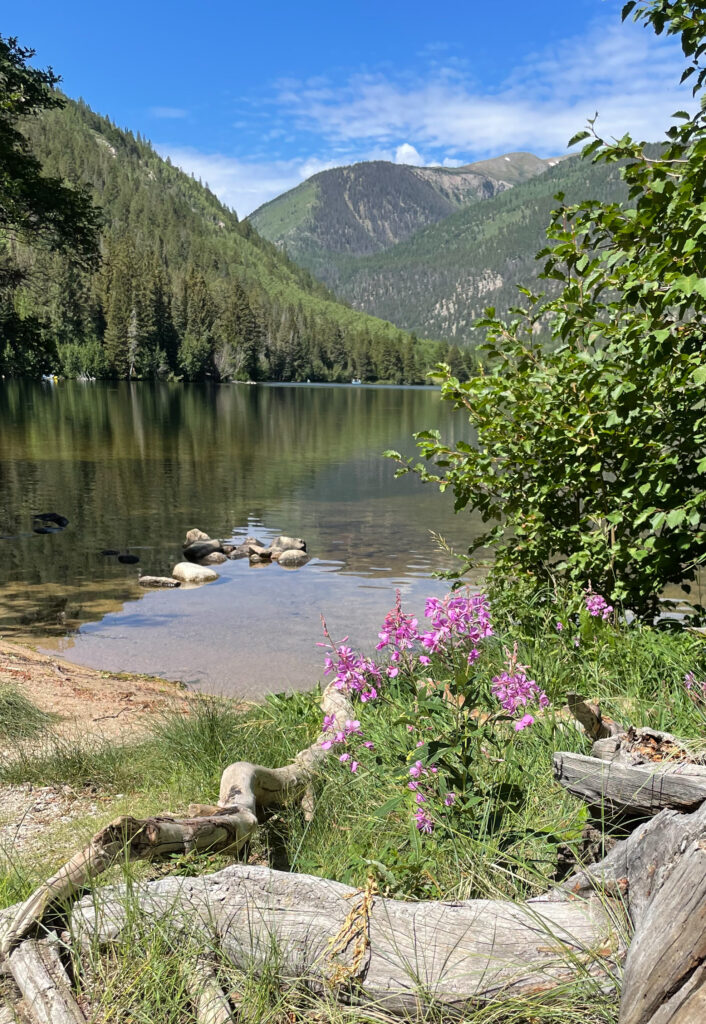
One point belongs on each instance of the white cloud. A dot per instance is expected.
(408, 154)
(243, 184)
(624, 72)
(168, 113)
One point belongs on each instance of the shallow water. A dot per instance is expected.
(133, 466)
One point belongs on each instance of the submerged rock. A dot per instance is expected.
(110, 552)
(129, 559)
(158, 581)
(187, 572)
(293, 558)
(61, 522)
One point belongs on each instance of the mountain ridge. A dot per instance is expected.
(363, 208)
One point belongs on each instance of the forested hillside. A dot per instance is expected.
(443, 277)
(368, 207)
(182, 287)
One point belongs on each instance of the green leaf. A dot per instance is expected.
(579, 137)
(699, 375)
(390, 805)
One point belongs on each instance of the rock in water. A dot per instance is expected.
(288, 544)
(293, 558)
(158, 581)
(61, 522)
(109, 552)
(201, 549)
(215, 558)
(195, 535)
(129, 559)
(187, 572)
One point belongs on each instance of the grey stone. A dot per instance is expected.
(195, 535)
(200, 549)
(187, 572)
(215, 558)
(293, 558)
(158, 581)
(285, 543)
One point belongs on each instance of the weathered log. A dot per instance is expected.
(40, 976)
(640, 789)
(244, 788)
(402, 957)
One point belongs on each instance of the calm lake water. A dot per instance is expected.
(133, 466)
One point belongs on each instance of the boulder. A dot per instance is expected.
(158, 581)
(215, 558)
(200, 549)
(256, 559)
(128, 559)
(293, 558)
(194, 535)
(187, 572)
(241, 551)
(258, 549)
(288, 544)
(227, 549)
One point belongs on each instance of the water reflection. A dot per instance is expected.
(133, 466)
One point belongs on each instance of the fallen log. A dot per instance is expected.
(410, 957)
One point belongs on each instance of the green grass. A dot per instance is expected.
(19, 718)
(506, 849)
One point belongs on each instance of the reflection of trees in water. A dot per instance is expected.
(136, 464)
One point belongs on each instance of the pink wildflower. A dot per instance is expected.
(523, 723)
(450, 799)
(424, 822)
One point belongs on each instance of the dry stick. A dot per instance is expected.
(42, 980)
(245, 787)
(209, 1001)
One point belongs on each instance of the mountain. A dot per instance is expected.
(183, 288)
(368, 207)
(440, 278)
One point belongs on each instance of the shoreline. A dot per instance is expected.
(107, 705)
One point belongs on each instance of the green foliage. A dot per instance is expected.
(590, 458)
(35, 209)
(19, 717)
(183, 290)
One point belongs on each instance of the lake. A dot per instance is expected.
(133, 466)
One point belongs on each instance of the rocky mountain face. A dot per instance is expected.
(368, 207)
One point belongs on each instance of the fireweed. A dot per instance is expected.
(449, 647)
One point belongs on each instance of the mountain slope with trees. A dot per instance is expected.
(368, 207)
(183, 288)
(443, 277)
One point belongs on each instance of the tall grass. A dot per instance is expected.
(19, 718)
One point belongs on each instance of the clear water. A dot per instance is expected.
(133, 466)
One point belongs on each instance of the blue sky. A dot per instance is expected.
(254, 97)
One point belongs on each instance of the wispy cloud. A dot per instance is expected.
(168, 113)
(243, 184)
(625, 73)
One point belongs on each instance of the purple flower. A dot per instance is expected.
(354, 766)
(514, 690)
(329, 723)
(420, 798)
(597, 605)
(424, 659)
(424, 822)
(450, 799)
(559, 626)
(368, 744)
(414, 786)
(352, 728)
(523, 723)
(417, 770)
(327, 744)
(344, 757)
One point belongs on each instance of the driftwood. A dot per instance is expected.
(406, 957)
(44, 984)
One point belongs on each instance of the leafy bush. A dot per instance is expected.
(590, 459)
